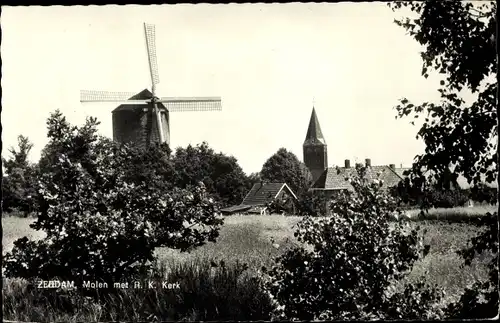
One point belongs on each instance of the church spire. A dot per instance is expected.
(314, 135)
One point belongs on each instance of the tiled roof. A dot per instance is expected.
(334, 178)
(236, 208)
(314, 134)
(263, 193)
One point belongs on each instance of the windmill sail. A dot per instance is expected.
(105, 96)
(151, 47)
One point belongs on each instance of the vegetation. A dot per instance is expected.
(242, 239)
(104, 218)
(99, 226)
(411, 196)
(19, 179)
(285, 167)
(354, 259)
(459, 41)
(206, 291)
(221, 174)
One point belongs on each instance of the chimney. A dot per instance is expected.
(392, 166)
(368, 162)
(347, 163)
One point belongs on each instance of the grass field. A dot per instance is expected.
(247, 239)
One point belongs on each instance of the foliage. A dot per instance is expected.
(285, 167)
(254, 178)
(459, 40)
(221, 174)
(312, 204)
(355, 258)
(483, 193)
(19, 179)
(99, 226)
(284, 206)
(431, 197)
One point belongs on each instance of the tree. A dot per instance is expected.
(100, 223)
(459, 40)
(285, 167)
(350, 262)
(18, 184)
(221, 174)
(254, 178)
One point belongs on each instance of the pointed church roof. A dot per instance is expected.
(314, 135)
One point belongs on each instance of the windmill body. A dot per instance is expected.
(143, 118)
(137, 124)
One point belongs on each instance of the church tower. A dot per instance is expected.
(314, 147)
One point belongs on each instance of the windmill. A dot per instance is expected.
(143, 117)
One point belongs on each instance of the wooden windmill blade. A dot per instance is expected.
(149, 31)
(192, 103)
(105, 96)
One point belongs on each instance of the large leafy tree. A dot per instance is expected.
(19, 178)
(459, 43)
(221, 174)
(284, 166)
(101, 223)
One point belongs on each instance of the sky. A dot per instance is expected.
(268, 62)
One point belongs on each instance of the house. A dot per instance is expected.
(260, 196)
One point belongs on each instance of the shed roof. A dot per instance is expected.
(263, 193)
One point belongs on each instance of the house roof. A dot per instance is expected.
(401, 171)
(334, 178)
(314, 135)
(263, 193)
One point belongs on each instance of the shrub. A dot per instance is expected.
(100, 226)
(411, 194)
(447, 198)
(350, 263)
(483, 193)
(312, 204)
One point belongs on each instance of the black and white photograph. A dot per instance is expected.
(251, 162)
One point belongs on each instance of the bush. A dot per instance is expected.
(483, 193)
(447, 198)
(99, 225)
(351, 262)
(413, 195)
(312, 204)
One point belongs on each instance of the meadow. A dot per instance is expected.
(228, 291)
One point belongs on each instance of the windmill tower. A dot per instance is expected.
(143, 118)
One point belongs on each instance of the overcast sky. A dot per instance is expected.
(267, 62)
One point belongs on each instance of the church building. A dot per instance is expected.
(329, 180)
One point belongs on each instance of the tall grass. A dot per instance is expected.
(206, 293)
